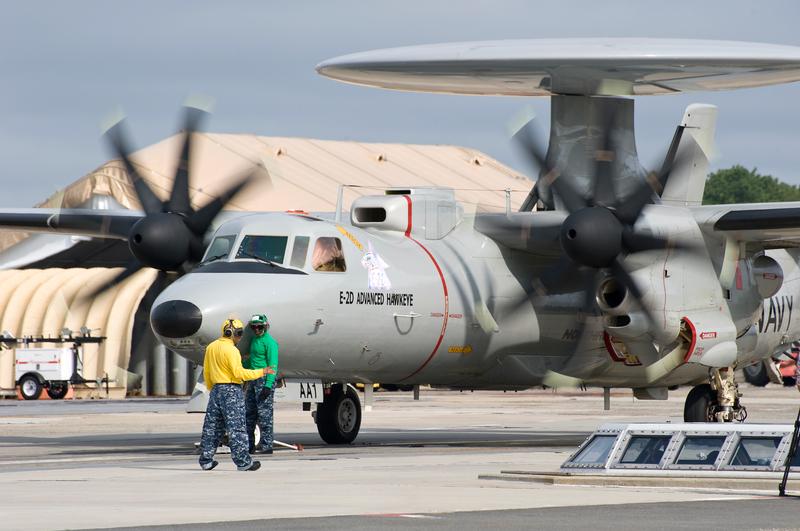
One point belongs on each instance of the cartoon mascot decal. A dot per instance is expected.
(377, 279)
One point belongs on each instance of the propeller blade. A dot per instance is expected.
(485, 317)
(621, 274)
(129, 270)
(665, 365)
(537, 233)
(529, 146)
(557, 380)
(636, 242)
(531, 200)
(603, 193)
(179, 201)
(531, 149)
(669, 158)
(653, 183)
(572, 199)
(119, 143)
(200, 221)
(553, 277)
(525, 298)
(589, 277)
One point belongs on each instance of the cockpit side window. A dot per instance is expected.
(272, 248)
(299, 252)
(328, 255)
(220, 247)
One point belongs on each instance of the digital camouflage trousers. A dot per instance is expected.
(225, 412)
(259, 411)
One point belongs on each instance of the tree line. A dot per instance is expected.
(740, 185)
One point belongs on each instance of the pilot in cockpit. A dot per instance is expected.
(328, 255)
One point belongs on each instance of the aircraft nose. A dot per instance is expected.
(176, 319)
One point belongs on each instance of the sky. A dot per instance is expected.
(65, 66)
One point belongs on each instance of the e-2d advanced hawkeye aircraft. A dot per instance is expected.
(609, 276)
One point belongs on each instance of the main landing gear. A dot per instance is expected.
(716, 401)
(338, 417)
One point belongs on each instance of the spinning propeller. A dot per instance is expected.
(599, 231)
(170, 236)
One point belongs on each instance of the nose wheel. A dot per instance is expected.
(338, 417)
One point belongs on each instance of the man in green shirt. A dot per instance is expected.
(259, 394)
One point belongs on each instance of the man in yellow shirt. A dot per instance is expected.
(224, 374)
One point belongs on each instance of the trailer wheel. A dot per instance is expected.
(58, 390)
(30, 387)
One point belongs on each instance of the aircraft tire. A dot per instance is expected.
(756, 374)
(339, 416)
(699, 406)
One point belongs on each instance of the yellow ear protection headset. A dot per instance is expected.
(230, 329)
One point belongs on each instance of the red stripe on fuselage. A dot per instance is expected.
(444, 290)
(692, 343)
(408, 226)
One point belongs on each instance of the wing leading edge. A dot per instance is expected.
(773, 225)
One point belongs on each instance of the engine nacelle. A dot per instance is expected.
(624, 317)
(628, 326)
(613, 298)
(712, 339)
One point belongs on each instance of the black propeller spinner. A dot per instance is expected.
(170, 235)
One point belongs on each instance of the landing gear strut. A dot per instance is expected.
(338, 417)
(716, 401)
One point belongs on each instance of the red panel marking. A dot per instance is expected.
(612, 350)
(738, 277)
(610, 347)
(444, 290)
(408, 227)
(694, 340)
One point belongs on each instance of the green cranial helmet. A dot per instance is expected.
(259, 319)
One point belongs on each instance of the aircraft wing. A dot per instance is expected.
(773, 225)
(86, 222)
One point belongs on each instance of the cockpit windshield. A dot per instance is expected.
(219, 248)
(271, 248)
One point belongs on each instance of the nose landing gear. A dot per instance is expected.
(338, 417)
(716, 401)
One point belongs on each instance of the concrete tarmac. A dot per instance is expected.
(107, 464)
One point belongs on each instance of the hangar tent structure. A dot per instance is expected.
(45, 279)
